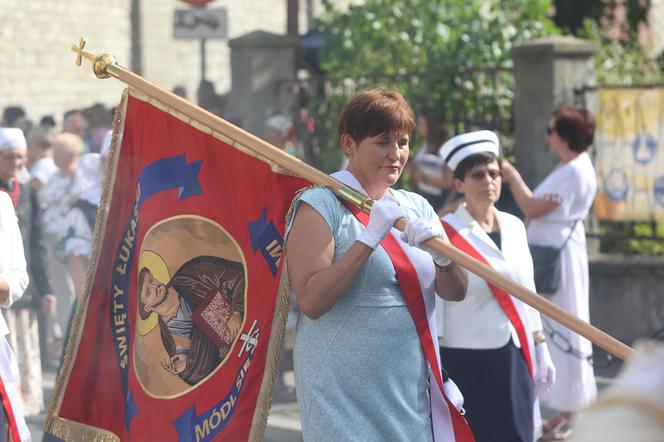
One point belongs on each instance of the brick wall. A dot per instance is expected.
(37, 69)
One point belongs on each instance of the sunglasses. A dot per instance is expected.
(480, 174)
(550, 130)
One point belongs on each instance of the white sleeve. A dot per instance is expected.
(43, 171)
(561, 185)
(15, 272)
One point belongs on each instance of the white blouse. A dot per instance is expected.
(12, 259)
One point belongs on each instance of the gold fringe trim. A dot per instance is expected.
(71, 348)
(73, 431)
(259, 422)
(264, 401)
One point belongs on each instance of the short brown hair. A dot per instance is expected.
(575, 125)
(374, 112)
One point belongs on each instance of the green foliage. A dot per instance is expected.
(639, 238)
(449, 54)
(621, 62)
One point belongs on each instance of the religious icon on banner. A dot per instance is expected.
(191, 303)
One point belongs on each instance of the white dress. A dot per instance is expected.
(574, 186)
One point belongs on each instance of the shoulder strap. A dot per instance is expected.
(570, 234)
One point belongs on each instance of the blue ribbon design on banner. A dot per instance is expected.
(264, 236)
(205, 427)
(158, 176)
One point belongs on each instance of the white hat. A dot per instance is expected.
(458, 148)
(280, 123)
(12, 138)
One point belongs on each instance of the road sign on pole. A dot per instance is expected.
(200, 23)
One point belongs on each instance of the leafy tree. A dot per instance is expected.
(448, 54)
(621, 62)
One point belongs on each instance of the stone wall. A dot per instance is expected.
(38, 72)
(627, 296)
(37, 69)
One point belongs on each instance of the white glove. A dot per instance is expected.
(545, 375)
(419, 230)
(384, 214)
(453, 394)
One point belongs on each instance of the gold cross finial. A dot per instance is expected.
(81, 53)
(103, 65)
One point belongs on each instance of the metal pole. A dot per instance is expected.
(202, 59)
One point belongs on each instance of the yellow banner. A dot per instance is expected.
(629, 157)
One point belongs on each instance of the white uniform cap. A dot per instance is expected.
(280, 123)
(458, 148)
(12, 138)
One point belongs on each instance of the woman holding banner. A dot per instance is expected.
(366, 367)
(492, 344)
(556, 209)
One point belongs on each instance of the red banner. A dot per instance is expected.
(173, 338)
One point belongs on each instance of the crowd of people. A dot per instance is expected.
(391, 339)
(52, 175)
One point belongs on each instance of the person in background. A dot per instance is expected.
(58, 196)
(13, 282)
(365, 369)
(23, 317)
(492, 344)
(99, 122)
(180, 91)
(12, 115)
(47, 121)
(75, 122)
(427, 170)
(40, 165)
(555, 211)
(208, 98)
(278, 133)
(75, 241)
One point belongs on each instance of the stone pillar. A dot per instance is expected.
(262, 73)
(547, 71)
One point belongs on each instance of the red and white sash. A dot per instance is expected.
(513, 312)
(11, 394)
(448, 422)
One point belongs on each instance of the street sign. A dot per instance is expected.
(200, 23)
(198, 3)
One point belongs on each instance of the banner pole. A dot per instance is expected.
(106, 66)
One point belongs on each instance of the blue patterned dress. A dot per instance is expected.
(360, 372)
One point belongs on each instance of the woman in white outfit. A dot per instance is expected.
(492, 345)
(13, 282)
(556, 209)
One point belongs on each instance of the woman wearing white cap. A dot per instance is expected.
(28, 317)
(13, 282)
(555, 210)
(492, 343)
(366, 367)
